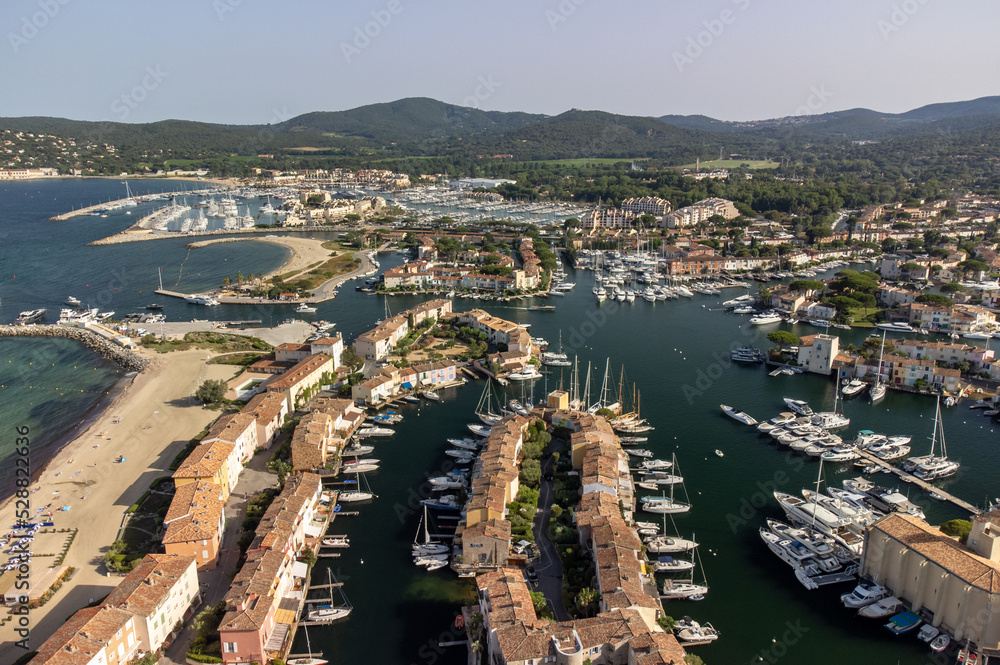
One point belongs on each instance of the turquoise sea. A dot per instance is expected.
(674, 352)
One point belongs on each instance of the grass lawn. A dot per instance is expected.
(333, 267)
(863, 318)
(734, 163)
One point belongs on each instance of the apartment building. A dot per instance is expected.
(195, 522)
(161, 593)
(303, 380)
(700, 212)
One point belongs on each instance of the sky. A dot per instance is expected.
(253, 62)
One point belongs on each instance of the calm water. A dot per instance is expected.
(675, 352)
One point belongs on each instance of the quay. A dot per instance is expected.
(103, 206)
(923, 484)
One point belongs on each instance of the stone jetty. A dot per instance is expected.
(112, 351)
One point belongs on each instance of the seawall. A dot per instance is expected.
(121, 356)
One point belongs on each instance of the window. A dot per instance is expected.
(229, 647)
(204, 542)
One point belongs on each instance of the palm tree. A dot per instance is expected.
(585, 599)
(260, 278)
(239, 278)
(226, 281)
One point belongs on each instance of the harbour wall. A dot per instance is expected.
(112, 351)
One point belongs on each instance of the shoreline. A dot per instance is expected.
(78, 431)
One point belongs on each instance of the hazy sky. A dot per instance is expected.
(251, 61)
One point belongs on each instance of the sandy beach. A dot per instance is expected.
(83, 487)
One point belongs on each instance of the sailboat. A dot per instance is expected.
(556, 359)
(663, 505)
(310, 660)
(329, 612)
(829, 420)
(357, 494)
(428, 547)
(688, 589)
(484, 410)
(878, 388)
(931, 467)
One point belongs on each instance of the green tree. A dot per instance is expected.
(539, 603)
(531, 472)
(211, 391)
(783, 338)
(953, 287)
(957, 528)
(350, 357)
(585, 600)
(802, 285)
(935, 299)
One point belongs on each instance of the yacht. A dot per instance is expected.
(668, 564)
(736, 414)
(866, 593)
(663, 506)
(854, 387)
(884, 607)
(746, 354)
(895, 327)
(208, 301)
(75, 302)
(765, 319)
(668, 545)
(799, 406)
(30, 316)
(692, 632)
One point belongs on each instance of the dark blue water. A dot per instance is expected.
(674, 352)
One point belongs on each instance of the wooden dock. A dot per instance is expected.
(923, 484)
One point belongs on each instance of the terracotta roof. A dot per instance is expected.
(946, 552)
(206, 460)
(230, 427)
(300, 372)
(82, 637)
(265, 407)
(194, 513)
(149, 584)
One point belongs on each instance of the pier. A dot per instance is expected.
(923, 484)
(89, 210)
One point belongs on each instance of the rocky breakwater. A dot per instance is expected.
(111, 350)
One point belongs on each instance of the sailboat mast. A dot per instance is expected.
(586, 390)
(576, 375)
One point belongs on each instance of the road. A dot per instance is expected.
(549, 565)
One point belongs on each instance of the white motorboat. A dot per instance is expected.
(431, 395)
(640, 452)
(765, 318)
(357, 451)
(446, 482)
(303, 308)
(736, 414)
(336, 541)
(374, 431)
(895, 327)
(692, 632)
(799, 406)
(479, 430)
(655, 465)
(674, 589)
(658, 478)
(529, 374)
(882, 608)
(864, 594)
(854, 387)
(75, 302)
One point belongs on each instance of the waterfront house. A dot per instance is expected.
(955, 586)
(944, 352)
(215, 462)
(161, 593)
(269, 411)
(436, 373)
(486, 543)
(194, 523)
(311, 441)
(239, 429)
(817, 353)
(379, 342)
(303, 380)
(515, 635)
(99, 635)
